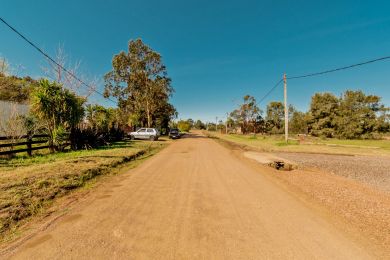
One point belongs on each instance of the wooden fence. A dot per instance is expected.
(28, 141)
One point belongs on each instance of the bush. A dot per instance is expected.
(58, 109)
(184, 126)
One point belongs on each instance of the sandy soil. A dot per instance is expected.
(195, 200)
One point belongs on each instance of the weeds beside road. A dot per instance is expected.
(29, 185)
(276, 143)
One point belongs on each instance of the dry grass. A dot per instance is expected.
(29, 185)
(310, 144)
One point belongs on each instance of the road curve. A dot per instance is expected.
(193, 200)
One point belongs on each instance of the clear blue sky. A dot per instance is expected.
(215, 51)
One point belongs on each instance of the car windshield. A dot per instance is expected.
(174, 130)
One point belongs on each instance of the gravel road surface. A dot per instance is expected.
(372, 170)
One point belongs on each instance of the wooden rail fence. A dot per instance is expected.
(11, 142)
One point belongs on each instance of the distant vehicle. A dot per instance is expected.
(174, 133)
(145, 133)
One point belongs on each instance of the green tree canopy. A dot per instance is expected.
(57, 108)
(184, 125)
(199, 124)
(246, 115)
(353, 115)
(358, 115)
(100, 119)
(324, 110)
(16, 89)
(298, 122)
(139, 80)
(275, 117)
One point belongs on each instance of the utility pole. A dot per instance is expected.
(216, 124)
(285, 109)
(227, 116)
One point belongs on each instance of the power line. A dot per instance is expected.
(338, 69)
(270, 91)
(52, 60)
(323, 72)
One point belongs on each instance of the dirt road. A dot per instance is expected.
(194, 200)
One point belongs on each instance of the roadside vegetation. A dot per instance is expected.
(30, 184)
(140, 82)
(85, 140)
(276, 143)
(353, 115)
(59, 107)
(354, 123)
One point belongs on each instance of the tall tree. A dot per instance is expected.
(358, 115)
(247, 114)
(298, 122)
(275, 117)
(139, 80)
(323, 114)
(353, 115)
(199, 125)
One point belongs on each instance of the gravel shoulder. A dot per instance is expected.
(371, 170)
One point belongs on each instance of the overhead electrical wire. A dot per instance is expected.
(52, 60)
(338, 69)
(270, 91)
(262, 99)
(323, 72)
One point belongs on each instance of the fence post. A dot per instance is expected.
(29, 144)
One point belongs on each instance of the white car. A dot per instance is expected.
(145, 133)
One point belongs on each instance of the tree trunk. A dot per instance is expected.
(148, 114)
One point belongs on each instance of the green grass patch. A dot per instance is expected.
(383, 144)
(290, 142)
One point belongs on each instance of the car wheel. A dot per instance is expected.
(132, 137)
(152, 138)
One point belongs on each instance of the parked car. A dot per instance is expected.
(145, 133)
(174, 133)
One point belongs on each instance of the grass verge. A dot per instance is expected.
(309, 145)
(29, 185)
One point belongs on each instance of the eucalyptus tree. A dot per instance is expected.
(140, 82)
(275, 117)
(247, 114)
